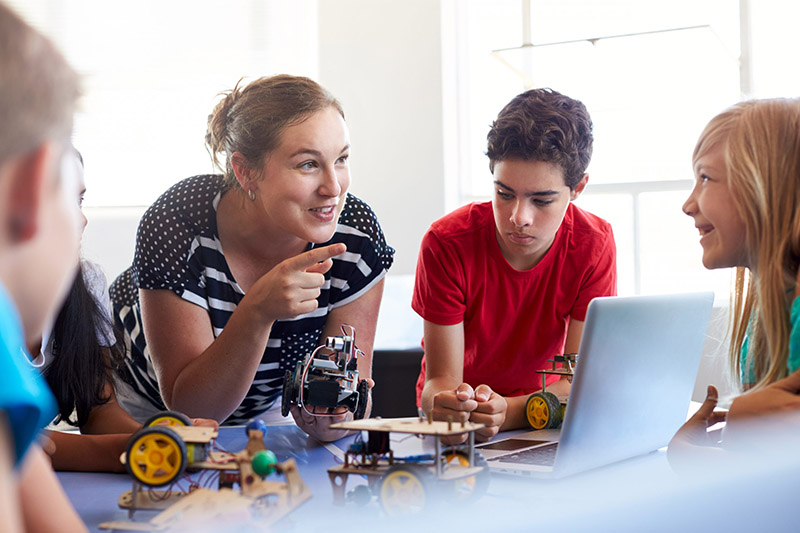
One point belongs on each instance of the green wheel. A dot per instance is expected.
(543, 410)
(156, 456)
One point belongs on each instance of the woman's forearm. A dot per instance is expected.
(214, 384)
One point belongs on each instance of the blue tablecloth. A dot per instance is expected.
(635, 495)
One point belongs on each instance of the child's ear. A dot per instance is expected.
(28, 176)
(579, 187)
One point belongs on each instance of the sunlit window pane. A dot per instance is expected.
(152, 70)
(670, 250)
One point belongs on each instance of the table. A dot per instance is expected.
(635, 495)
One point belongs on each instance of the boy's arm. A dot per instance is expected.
(444, 370)
(45, 506)
(10, 518)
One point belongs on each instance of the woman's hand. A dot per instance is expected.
(318, 424)
(291, 288)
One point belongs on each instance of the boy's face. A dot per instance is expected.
(529, 203)
(53, 252)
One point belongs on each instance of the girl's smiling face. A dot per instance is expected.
(722, 230)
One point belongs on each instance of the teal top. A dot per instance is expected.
(24, 395)
(792, 363)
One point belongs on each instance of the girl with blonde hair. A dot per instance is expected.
(746, 206)
(753, 150)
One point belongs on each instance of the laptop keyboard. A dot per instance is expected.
(541, 455)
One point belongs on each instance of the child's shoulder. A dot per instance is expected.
(586, 224)
(470, 219)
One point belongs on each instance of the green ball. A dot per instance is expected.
(263, 462)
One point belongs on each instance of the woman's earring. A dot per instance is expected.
(252, 195)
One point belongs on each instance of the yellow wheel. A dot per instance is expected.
(156, 456)
(543, 410)
(404, 492)
(468, 488)
(169, 419)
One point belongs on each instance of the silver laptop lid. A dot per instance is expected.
(634, 379)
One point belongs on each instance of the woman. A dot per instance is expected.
(237, 277)
(746, 206)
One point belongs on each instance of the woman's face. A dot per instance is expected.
(304, 181)
(722, 230)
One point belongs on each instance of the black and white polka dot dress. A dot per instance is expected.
(178, 249)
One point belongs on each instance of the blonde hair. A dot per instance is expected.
(250, 119)
(760, 140)
(38, 89)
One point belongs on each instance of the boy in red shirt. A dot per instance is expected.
(503, 286)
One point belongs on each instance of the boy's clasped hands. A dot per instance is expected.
(480, 405)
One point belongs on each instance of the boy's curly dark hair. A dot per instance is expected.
(544, 125)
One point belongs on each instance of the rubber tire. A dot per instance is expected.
(363, 400)
(168, 435)
(480, 481)
(178, 418)
(406, 491)
(553, 406)
(288, 392)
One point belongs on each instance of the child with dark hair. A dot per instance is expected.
(503, 286)
(77, 357)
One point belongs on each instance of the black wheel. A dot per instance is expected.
(466, 489)
(363, 400)
(405, 491)
(361, 495)
(169, 419)
(288, 389)
(156, 456)
(543, 410)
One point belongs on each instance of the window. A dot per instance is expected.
(152, 70)
(651, 74)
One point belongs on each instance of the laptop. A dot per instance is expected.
(633, 382)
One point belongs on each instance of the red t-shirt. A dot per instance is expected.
(514, 321)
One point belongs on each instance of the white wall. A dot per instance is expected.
(110, 237)
(383, 60)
